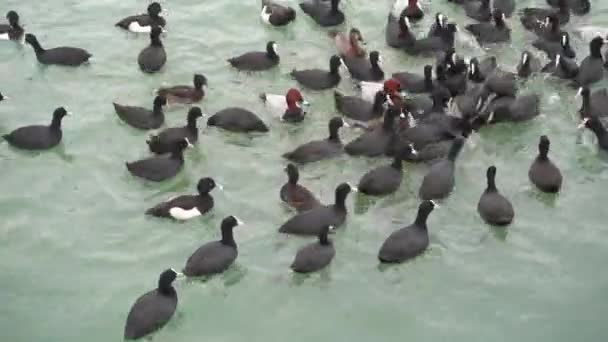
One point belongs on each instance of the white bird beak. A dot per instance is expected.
(239, 222)
(582, 124)
(68, 113)
(305, 103)
(524, 58)
(188, 141)
(414, 152)
(345, 124)
(219, 186)
(579, 92)
(177, 274)
(435, 204)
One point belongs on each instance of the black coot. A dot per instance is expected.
(480, 70)
(528, 64)
(562, 67)
(543, 173)
(315, 256)
(185, 93)
(531, 17)
(398, 32)
(66, 56)
(595, 104)
(493, 207)
(596, 126)
(478, 10)
(217, 256)
(385, 180)
(276, 14)
(12, 31)
(237, 119)
(144, 22)
(257, 60)
(591, 69)
(434, 43)
(143, 118)
(415, 83)
(356, 108)
(38, 137)
(408, 242)
(296, 195)
(153, 57)
(554, 48)
(324, 13)
(160, 168)
(164, 141)
(522, 108)
(495, 32)
(439, 182)
(365, 70)
(578, 7)
(375, 143)
(153, 310)
(312, 221)
(318, 79)
(317, 150)
(186, 207)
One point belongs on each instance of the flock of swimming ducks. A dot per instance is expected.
(407, 116)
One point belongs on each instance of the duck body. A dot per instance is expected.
(65, 56)
(38, 137)
(493, 207)
(277, 14)
(296, 195)
(318, 79)
(185, 94)
(376, 142)
(315, 256)
(160, 168)
(238, 120)
(143, 23)
(552, 49)
(12, 30)
(543, 173)
(397, 33)
(363, 69)
(324, 13)
(488, 33)
(166, 140)
(522, 108)
(142, 118)
(317, 150)
(439, 182)
(153, 57)
(183, 207)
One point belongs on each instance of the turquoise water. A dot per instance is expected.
(76, 249)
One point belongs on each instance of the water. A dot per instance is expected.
(76, 249)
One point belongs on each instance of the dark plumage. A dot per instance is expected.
(591, 69)
(238, 120)
(413, 10)
(356, 108)
(415, 83)
(493, 207)
(257, 60)
(578, 7)
(12, 31)
(318, 79)
(478, 10)
(528, 64)
(596, 126)
(276, 14)
(439, 182)
(164, 141)
(562, 67)
(375, 143)
(495, 32)
(385, 180)
(154, 309)
(552, 48)
(160, 168)
(531, 17)
(144, 22)
(398, 32)
(38, 137)
(312, 221)
(324, 13)
(505, 6)
(522, 108)
(479, 71)
(66, 56)
(185, 207)
(143, 118)
(295, 195)
(153, 57)
(365, 70)
(315, 256)
(217, 256)
(184, 93)
(3, 97)
(595, 104)
(543, 173)
(432, 44)
(317, 150)
(408, 242)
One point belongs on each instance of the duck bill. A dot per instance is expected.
(583, 123)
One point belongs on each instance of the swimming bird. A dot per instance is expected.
(153, 57)
(531, 17)
(478, 10)
(413, 11)
(164, 141)
(288, 107)
(312, 221)
(390, 87)
(433, 44)
(439, 182)
(385, 180)
(505, 6)
(38, 137)
(550, 29)
(440, 24)
(398, 32)
(257, 60)
(3, 97)
(595, 104)
(238, 120)
(414, 83)
(217, 256)
(315, 256)
(528, 64)
(296, 195)
(160, 168)
(186, 207)
(495, 32)
(365, 70)
(276, 14)
(143, 23)
(324, 13)
(350, 45)
(562, 67)
(591, 69)
(543, 173)
(522, 108)
(317, 150)
(184, 93)
(66, 56)
(143, 118)
(375, 143)
(12, 31)
(480, 70)
(596, 126)
(578, 7)
(318, 79)
(154, 309)
(493, 207)
(356, 108)
(408, 242)
(554, 48)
